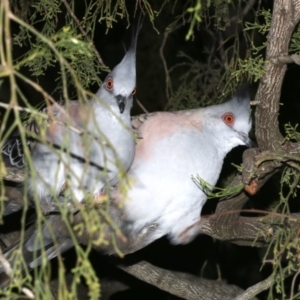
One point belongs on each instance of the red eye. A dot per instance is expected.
(228, 119)
(133, 92)
(109, 84)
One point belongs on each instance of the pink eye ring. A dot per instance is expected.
(228, 118)
(109, 84)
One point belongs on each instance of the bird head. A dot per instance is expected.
(231, 121)
(120, 84)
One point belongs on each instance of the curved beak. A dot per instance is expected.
(121, 101)
(245, 138)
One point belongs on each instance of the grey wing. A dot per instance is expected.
(13, 149)
(13, 154)
(13, 158)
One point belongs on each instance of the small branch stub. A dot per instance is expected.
(252, 188)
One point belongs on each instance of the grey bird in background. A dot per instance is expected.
(88, 144)
(163, 199)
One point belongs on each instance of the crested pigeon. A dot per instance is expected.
(173, 147)
(88, 144)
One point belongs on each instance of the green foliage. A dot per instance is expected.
(210, 81)
(295, 42)
(69, 44)
(215, 192)
(195, 12)
(283, 252)
(48, 10)
(291, 133)
(200, 10)
(253, 67)
(222, 18)
(261, 27)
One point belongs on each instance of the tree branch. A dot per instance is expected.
(286, 15)
(256, 289)
(182, 285)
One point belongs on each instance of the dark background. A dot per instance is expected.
(203, 257)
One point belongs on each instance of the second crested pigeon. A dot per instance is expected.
(87, 143)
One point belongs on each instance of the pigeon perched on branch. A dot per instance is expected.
(173, 147)
(163, 199)
(84, 146)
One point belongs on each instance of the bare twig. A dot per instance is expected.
(256, 289)
(249, 4)
(9, 106)
(142, 106)
(288, 59)
(293, 284)
(161, 54)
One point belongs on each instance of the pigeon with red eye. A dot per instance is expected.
(173, 147)
(102, 151)
(86, 146)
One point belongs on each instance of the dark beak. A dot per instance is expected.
(248, 142)
(121, 101)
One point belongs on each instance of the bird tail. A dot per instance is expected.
(35, 247)
(8, 259)
(52, 236)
